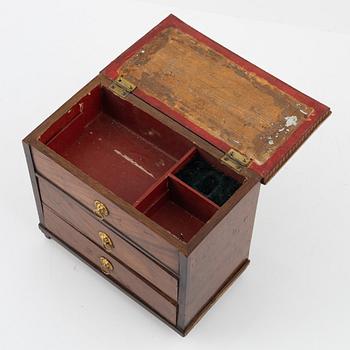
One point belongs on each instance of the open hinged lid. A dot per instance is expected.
(256, 119)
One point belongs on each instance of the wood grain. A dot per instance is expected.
(90, 251)
(211, 302)
(33, 179)
(70, 211)
(217, 257)
(122, 221)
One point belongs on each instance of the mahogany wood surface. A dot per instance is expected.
(217, 257)
(66, 208)
(48, 234)
(120, 273)
(118, 218)
(211, 302)
(33, 179)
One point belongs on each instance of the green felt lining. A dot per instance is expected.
(204, 178)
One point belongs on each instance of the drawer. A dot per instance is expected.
(117, 217)
(113, 244)
(111, 267)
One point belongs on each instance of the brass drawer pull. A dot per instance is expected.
(106, 265)
(106, 241)
(100, 210)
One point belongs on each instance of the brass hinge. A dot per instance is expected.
(235, 160)
(122, 87)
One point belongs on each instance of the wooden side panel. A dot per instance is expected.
(219, 255)
(33, 179)
(69, 210)
(122, 275)
(122, 221)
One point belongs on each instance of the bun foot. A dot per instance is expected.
(45, 231)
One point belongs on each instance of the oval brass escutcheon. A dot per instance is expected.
(106, 241)
(100, 210)
(106, 265)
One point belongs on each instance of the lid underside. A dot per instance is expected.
(207, 91)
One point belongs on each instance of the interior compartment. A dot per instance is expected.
(212, 182)
(117, 144)
(178, 208)
(144, 162)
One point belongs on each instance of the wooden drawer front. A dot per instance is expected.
(117, 217)
(70, 211)
(88, 250)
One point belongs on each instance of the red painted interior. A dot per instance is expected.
(156, 189)
(136, 157)
(179, 209)
(174, 218)
(91, 104)
(194, 202)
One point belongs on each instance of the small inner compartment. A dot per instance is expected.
(178, 208)
(214, 184)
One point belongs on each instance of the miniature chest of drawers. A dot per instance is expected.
(151, 172)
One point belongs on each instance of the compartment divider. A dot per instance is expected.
(138, 204)
(153, 195)
(191, 189)
(177, 207)
(200, 203)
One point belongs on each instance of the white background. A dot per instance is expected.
(295, 293)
